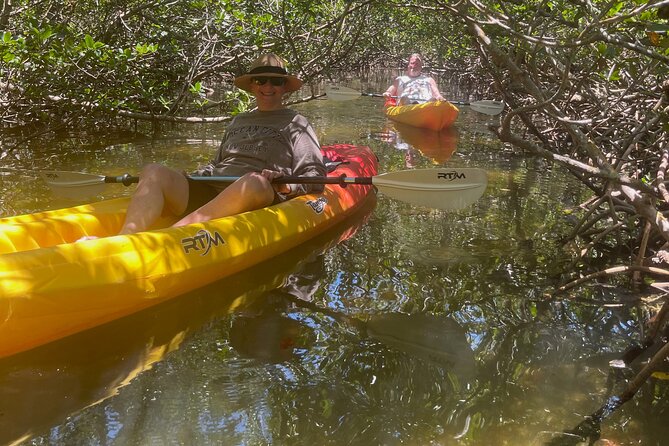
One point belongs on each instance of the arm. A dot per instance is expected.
(392, 90)
(435, 91)
(307, 161)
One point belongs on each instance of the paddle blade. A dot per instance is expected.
(446, 189)
(337, 93)
(74, 185)
(488, 107)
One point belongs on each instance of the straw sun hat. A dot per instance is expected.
(268, 65)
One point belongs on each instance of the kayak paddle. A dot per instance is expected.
(486, 106)
(441, 188)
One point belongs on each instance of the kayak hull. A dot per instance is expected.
(432, 115)
(52, 286)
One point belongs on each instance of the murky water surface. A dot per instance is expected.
(405, 325)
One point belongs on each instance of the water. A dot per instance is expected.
(404, 325)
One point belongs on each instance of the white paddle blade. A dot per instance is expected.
(74, 185)
(446, 189)
(488, 107)
(338, 93)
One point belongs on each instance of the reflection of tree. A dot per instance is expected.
(381, 375)
(540, 360)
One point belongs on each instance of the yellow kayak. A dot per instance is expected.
(139, 341)
(52, 286)
(433, 115)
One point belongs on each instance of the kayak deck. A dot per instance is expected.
(433, 115)
(51, 287)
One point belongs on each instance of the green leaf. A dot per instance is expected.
(615, 8)
(144, 49)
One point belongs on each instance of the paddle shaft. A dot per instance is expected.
(339, 93)
(443, 188)
(377, 95)
(127, 180)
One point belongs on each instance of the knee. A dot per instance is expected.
(154, 173)
(256, 185)
(152, 170)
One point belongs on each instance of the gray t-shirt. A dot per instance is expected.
(281, 140)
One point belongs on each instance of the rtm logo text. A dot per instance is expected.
(202, 241)
(450, 176)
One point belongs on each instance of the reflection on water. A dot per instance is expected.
(414, 142)
(437, 339)
(425, 327)
(438, 146)
(442, 255)
(269, 337)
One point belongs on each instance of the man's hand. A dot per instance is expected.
(271, 175)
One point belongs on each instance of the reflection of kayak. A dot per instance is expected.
(433, 115)
(40, 388)
(51, 287)
(439, 146)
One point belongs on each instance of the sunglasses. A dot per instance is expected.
(262, 80)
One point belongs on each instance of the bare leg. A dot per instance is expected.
(252, 191)
(159, 189)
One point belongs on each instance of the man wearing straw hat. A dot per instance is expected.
(258, 146)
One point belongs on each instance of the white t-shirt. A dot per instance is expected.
(414, 89)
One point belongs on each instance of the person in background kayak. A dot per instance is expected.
(258, 146)
(413, 87)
